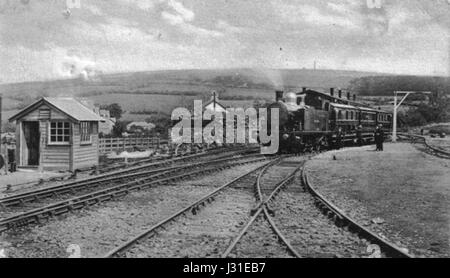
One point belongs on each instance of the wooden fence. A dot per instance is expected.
(107, 145)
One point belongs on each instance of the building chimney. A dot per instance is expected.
(340, 93)
(278, 95)
(354, 97)
(332, 92)
(348, 95)
(304, 89)
(214, 98)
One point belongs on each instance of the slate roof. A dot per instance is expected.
(69, 106)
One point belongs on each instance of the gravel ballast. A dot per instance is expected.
(99, 229)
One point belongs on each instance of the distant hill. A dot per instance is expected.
(386, 85)
(185, 80)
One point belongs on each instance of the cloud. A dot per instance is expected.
(37, 42)
(141, 4)
(307, 13)
(182, 17)
(228, 28)
(172, 18)
(185, 13)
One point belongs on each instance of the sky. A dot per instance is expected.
(53, 39)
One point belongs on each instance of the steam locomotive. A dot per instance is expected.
(311, 121)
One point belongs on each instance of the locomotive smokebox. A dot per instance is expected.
(278, 95)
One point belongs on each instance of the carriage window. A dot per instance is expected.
(85, 132)
(59, 133)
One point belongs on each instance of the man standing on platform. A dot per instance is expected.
(339, 136)
(379, 137)
(359, 139)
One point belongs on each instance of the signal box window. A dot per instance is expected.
(85, 132)
(59, 133)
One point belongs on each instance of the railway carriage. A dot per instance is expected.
(311, 120)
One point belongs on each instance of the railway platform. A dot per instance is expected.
(403, 193)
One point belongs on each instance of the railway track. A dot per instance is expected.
(261, 226)
(347, 233)
(266, 191)
(134, 165)
(136, 162)
(84, 185)
(136, 246)
(41, 213)
(428, 148)
(114, 177)
(340, 219)
(264, 223)
(126, 249)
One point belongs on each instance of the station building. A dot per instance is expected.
(56, 134)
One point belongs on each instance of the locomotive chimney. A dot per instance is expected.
(340, 93)
(332, 92)
(278, 95)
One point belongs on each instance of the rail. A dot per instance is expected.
(426, 143)
(120, 250)
(341, 219)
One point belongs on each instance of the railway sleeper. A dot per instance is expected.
(270, 210)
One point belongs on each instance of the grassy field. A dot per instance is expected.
(407, 189)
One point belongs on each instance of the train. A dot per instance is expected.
(312, 121)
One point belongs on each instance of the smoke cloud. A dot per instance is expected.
(74, 66)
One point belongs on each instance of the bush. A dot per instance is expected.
(115, 110)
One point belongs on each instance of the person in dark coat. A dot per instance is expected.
(359, 135)
(379, 138)
(339, 136)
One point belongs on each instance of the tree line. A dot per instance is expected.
(436, 110)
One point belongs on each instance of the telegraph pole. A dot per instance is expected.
(394, 124)
(396, 106)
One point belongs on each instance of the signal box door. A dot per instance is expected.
(30, 148)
